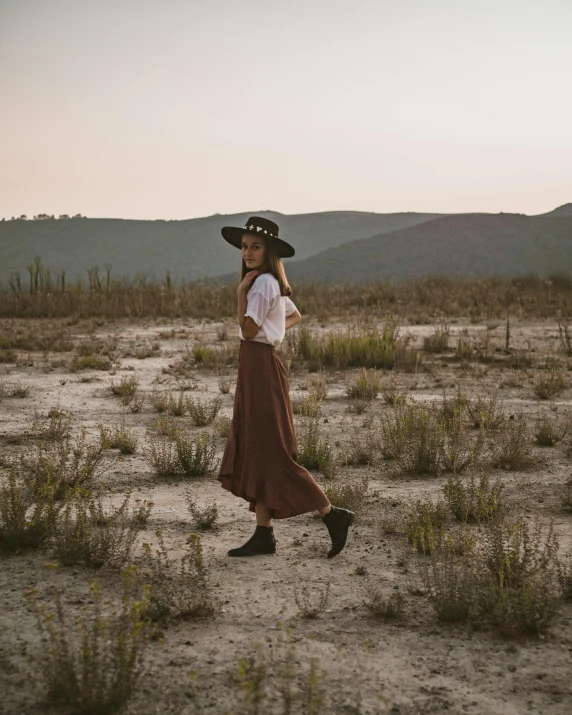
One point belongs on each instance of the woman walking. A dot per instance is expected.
(259, 461)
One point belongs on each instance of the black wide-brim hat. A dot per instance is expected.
(258, 226)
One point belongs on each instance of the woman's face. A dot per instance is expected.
(253, 251)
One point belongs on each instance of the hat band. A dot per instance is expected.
(259, 228)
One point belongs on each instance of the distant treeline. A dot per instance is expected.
(43, 217)
(44, 294)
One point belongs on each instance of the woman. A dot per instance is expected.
(259, 461)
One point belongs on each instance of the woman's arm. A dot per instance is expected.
(292, 320)
(248, 326)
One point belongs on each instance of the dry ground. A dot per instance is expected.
(417, 664)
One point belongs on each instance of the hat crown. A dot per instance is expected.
(264, 226)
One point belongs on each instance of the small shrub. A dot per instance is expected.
(57, 430)
(450, 583)
(512, 448)
(182, 590)
(85, 534)
(206, 517)
(425, 526)
(391, 607)
(215, 358)
(266, 676)
(196, 455)
(60, 468)
(348, 494)
(422, 445)
(203, 413)
(366, 387)
(529, 608)
(19, 391)
(311, 606)
(362, 448)
(548, 431)
(513, 551)
(126, 389)
(313, 451)
(518, 592)
(118, 437)
(163, 427)
(90, 362)
(224, 384)
(438, 341)
(452, 408)
(159, 400)
(177, 406)
(136, 404)
(222, 426)
(26, 520)
(391, 393)
(90, 347)
(163, 457)
(309, 406)
(466, 349)
(145, 350)
(458, 450)
(509, 581)
(95, 666)
(551, 385)
(318, 387)
(473, 502)
(426, 441)
(486, 412)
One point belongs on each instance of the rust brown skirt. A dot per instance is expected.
(259, 461)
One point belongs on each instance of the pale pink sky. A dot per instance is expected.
(183, 108)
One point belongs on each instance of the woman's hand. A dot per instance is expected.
(247, 281)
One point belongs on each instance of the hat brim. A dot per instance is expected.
(233, 235)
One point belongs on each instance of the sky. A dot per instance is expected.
(177, 109)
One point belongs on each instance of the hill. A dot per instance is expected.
(190, 249)
(471, 245)
(564, 210)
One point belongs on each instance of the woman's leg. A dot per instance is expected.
(263, 517)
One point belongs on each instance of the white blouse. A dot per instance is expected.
(268, 309)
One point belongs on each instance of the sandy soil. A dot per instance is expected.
(417, 664)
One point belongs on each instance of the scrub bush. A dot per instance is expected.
(118, 437)
(26, 520)
(59, 468)
(95, 665)
(473, 502)
(178, 590)
(203, 413)
(85, 534)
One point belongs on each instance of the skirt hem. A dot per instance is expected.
(228, 484)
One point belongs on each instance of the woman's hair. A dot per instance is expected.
(274, 265)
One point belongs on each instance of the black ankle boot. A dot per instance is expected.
(338, 522)
(261, 542)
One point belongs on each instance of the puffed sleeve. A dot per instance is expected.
(290, 307)
(259, 301)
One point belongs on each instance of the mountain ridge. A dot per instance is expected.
(191, 249)
(330, 245)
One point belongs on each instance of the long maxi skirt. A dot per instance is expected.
(259, 461)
